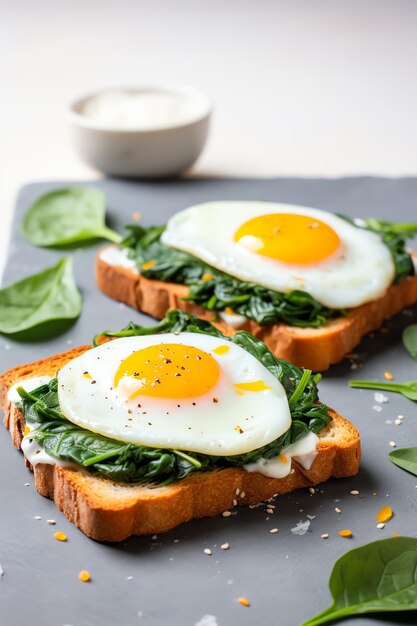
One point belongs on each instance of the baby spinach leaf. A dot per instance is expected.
(40, 299)
(377, 577)
(67, 216)
(406, 458)
(407, 388)
(410, 340)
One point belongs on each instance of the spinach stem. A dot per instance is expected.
(300, 387)
(369, 384)
(188, 458)
(100, 457)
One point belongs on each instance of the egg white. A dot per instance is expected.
(361, 271)
(207, 427)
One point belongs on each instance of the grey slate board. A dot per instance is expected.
(284, 576)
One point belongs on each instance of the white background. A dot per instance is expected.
(302, 87)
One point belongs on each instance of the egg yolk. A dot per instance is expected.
(170, 370)
(289, 237)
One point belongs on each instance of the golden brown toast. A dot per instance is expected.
(109, 511)
(312, 348)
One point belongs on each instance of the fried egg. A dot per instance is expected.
(286, 247)
(187, 391)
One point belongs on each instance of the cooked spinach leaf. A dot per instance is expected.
(406, 458)
(67, 216)
(131, 463)
(216, 290)
(40, 300)
(410, 340)
(375, 578)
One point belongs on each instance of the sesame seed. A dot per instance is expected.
(392, 444)
(129, 577)
(37, 517)
(234, 502)
(224, 546)
(337, 510)
(400, 417)
(207, 551)
(52, 522)
(226, 513)
(312, 490)
(243, 494)
(381, 525)
(270, 511)
(273, 531)
(354, 492)
(398, 422)
(27, 484)
(237, 491)
(325, 536)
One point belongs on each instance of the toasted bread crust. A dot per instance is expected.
(108, 511)
(313, 348)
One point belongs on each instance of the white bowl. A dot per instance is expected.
(136, 151)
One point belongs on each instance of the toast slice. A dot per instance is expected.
(312, 348)
(109, 511)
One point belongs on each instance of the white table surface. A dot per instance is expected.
(299, 87)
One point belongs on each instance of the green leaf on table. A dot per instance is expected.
(410, 340)
(378, 577)
(39, 299)
(66, 217)
(407, 388)
(406, 458)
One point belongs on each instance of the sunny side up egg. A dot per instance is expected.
(286, 247)
(189, 392)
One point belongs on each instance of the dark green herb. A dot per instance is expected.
(410, 340)
(407, 389)
(67, 216)
(40, 300)
(130, 463)
(379, 577)
(406, 458)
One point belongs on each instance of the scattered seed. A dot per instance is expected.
(337, 510)
(243, 494)
(398, 422)
(388, 376)
(27, 484)
(273, 531)
(345, 533)
(60, 536)
(325, 536)
(312, 490)
(52, 522)
(354, 492)
(234, 502)
(226, 513)
(400, 417)
(224, 546)
(392, 444)
(384, 515)
(84, 576)
(37, 517)
(243, 601)
(207, 551)
(237, 492)
(129, 577)
(270, 511)
(380, 526)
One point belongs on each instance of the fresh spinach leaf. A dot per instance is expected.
(67, 216)
(410, 340)
(375, 578)
(407, 389)
(406, 458)
(130, 463)
(39, 300)
(216, 290)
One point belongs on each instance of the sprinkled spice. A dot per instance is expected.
(84, 576)
(384, 515)
(345, 533)
(148, 264)
(388, 376)
(60, 536)
(243, 601)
